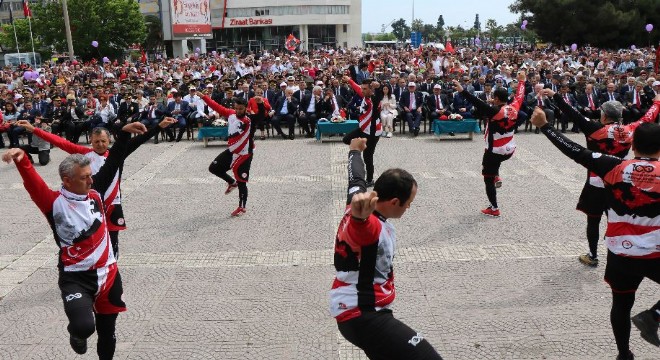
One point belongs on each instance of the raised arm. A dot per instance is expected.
(57, 141)
(356, 182)
(39, 191)
(357, 88)
(481, 105)
(104, 178)
(585, 125)
(600, 164)
(520, 92)
(650, 115)
(223, 111)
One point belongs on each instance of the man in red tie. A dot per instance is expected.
(411, 102)
(438, 104)
(635, 102)
(589, 105)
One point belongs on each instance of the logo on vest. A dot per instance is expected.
(73, 297)
(416, 340)
(120, 221)
(626, 244)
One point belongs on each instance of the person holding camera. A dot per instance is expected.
(75, 118)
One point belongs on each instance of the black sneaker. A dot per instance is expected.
(587, 259)
(78, 345)
(648, 326)
(370, 184)
(629, 356)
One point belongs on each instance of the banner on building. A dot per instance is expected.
(191, 18)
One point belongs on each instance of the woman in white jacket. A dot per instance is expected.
(388, 111)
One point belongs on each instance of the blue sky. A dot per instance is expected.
(375, 13)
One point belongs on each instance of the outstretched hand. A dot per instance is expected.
(363, 204)
(548, 92)
(135, 128)
(25, 124)
(167, 122)
(15, 154)
(538, 117)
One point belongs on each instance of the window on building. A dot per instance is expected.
(345, 28)
(289, 10)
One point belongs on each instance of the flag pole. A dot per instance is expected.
(18, 50)
(34, 54)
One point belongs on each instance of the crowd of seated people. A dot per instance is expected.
(297, 90)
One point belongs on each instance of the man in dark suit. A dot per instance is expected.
(246, 93)
(152, 114)
(565, 93)
(411, 103)
(310, 110)
(179, 110)
(342, 93)
(39, 104)
(537, 99)
(438, 104)
(588, 103)
(629, 86)
(285, 110)
(635, 102)
(610, 94)
(427, 86)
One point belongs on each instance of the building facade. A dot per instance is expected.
(255, 25)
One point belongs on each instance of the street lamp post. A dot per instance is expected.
(67, 29)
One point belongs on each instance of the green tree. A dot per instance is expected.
(417, 25)
(477, 23)
(441, 23)
(606, 23)
(8, 41)
(494, 31)
(115, 24)
(153, 42)
(400, 30)
(385, 37)
(430, 32)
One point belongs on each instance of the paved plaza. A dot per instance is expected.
(202, 285)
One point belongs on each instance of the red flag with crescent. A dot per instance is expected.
(449, 48)
(291, 43)
(26, 9)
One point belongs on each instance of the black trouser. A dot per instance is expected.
(381, 336)
(491, 169)
(368, 153)
(222, 163)
(79, 307)
(44, 155)
(114, 240)
(308, 122)
(290, 122)
(624, 274)
(593, 224)
(257, 121)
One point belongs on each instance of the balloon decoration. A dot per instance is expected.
(523, 26)
(498, 46)
(574, 47)
(95, 43)
(633, 47)
(197, 50)
(649, 27)
(30, 75)
(477, 41)
(524, 22)
(214, 53)
(106, 60)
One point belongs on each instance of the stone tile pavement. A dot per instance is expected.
(202, 285)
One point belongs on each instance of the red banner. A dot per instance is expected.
(657, 59)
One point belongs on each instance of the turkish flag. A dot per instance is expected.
(449, 48)
(26, 9)
(143, 59)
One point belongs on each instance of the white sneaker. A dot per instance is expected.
(389, 134)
